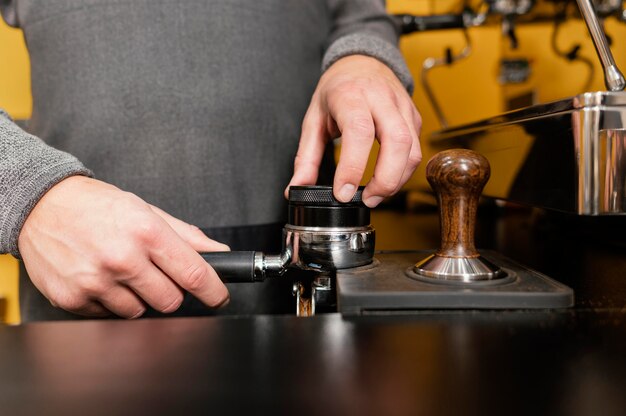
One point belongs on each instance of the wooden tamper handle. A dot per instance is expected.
(458, 177)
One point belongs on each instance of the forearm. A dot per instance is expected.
(362, 27)
(28, 169)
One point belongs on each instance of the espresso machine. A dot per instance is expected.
(329, 247)
(585, 133)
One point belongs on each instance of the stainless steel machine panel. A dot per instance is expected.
(569, 155)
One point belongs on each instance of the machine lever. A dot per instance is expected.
(613, 78)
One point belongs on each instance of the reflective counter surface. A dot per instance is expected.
(570, 362)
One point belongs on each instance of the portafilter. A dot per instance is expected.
(322, 234)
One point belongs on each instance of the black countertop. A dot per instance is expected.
(570, 362)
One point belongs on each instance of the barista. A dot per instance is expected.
(151, 116)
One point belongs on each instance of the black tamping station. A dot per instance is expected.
(456, 276)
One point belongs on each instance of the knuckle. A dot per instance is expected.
(388, 93)
(145, 228)
(301, 161)
(195, 277)
(361, 127)
(416, 112)
(219, 299)
(136, 313)
(414, 160)
(349, 88)
(386, 186)
(94, 287)
(172, 305)
(118, 261)
(309, 122)
(418, 119)
(195, 230)
(348, 171)
(401, 135)
(70, 301)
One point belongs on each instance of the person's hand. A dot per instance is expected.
(359, 98)
(93, 249)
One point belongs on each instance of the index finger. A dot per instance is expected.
(396, 141)
(354, 120)
(186, 267)
(310, 149)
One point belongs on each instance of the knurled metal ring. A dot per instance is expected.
(320, 195)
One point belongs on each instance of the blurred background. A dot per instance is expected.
(524, 52)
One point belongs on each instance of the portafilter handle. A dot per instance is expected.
(458, 177)
(246, 266)
(232, 266)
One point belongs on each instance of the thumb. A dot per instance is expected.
(190, 233)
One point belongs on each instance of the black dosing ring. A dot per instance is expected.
(320, 196)
(315, 206)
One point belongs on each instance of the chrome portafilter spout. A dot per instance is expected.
(322, 235)
(458, 177)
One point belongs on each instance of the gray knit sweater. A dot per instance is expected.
(194, 105)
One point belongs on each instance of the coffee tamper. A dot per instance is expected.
(458, 177)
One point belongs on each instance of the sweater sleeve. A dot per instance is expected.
(28, 169)
(363, 27)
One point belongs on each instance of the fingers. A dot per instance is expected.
(397, 127)
(361, 98)
(360, 119)
(311, 148)
(185, 266)
(92, 309)
(414, 121)
(395, 145)
(123, 302)
(352, 114)
(121, 258)
(156, 289)
(190, 233)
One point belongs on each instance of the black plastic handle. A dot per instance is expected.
(232, 266)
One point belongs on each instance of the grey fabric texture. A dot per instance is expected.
(195, 106)
(28, 168)
(373, 46)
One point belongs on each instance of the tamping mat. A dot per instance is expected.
(393, 286)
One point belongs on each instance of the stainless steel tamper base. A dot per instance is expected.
(458, 269)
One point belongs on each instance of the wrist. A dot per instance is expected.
(368, 45)
(50, 205)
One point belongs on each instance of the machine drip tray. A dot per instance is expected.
(393, 286)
